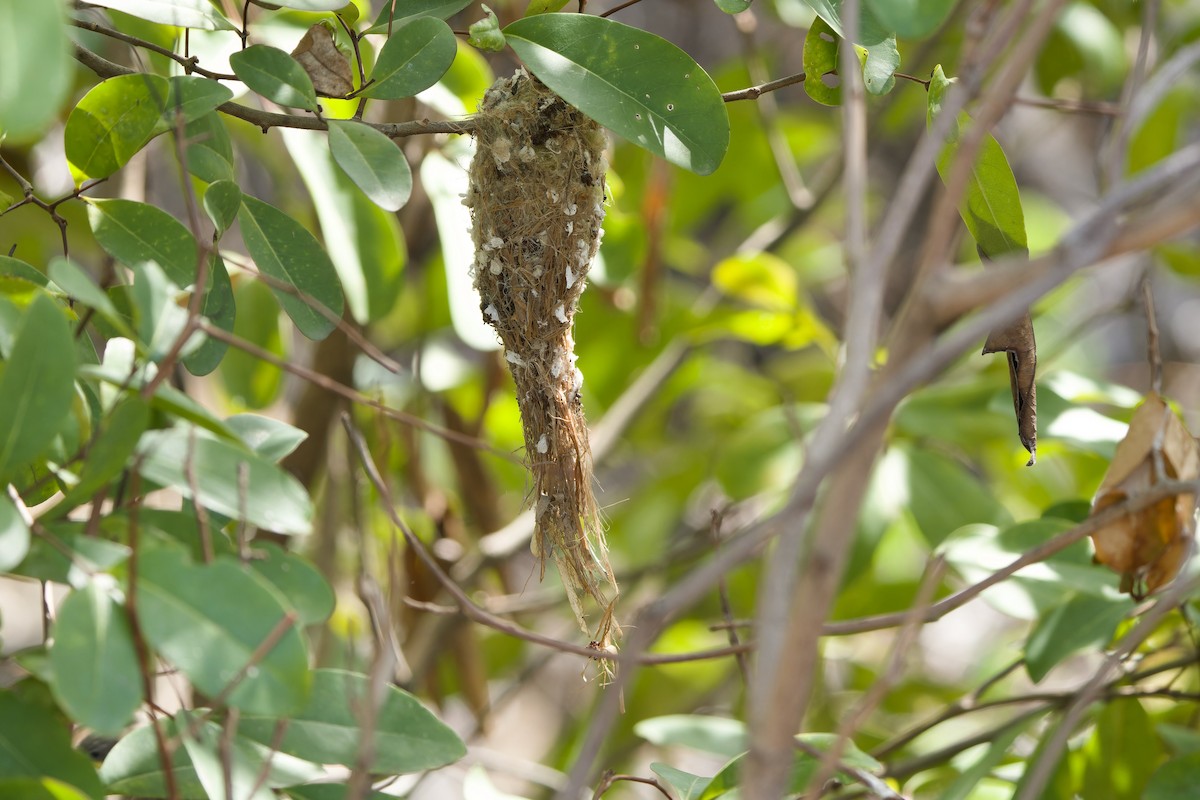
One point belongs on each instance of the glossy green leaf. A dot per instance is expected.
(36, 385)
(408, 738)
(217, 769)
(193, 97)
(14, 535)
(284, 250)
(44, 789)
(94, 663)
(485, 33)
(821, 48)
(133, 233)
(250, 381)
(395, 11)
(373, 162)
(222, 201)
(113, 122)
(36, 67)
(303, 588)
(364, 242)
(134, 767)
(211, 621)
(634, 83)
(184, 13)
(209, 151)
(1158, 135)
(161, 318)
(414, 57)
(275, 75)
(718, 735)
(271, 498)
(1080, 622)
(68, 556)
(991, 206)
(1121, 754)
(880, 43)
(685, 784)
(268, 437)
(733, 6)
(71, 278)
(15, 267)
(36, 743)
(219, 309)
(109, 453)
(1175, 780)
(544, 7)
(911, 19)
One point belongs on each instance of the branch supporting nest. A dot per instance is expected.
(537, 201)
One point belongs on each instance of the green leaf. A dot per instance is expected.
(298, 581)
(251, 381)
(911, 19)
(134, 233)
(112, 122)
(275, 75)
(373, 162)
(760, 279)
(183, 13)
(212, 620)
(209, 150)
(109, 453)
(269, 438)
(311, 5)
(365, 242)
(880, 43)
(943, 496)
(399, 10)
(733, 6)
(968, 781)
(549, 6)
(35, 743)
(134, 766)
(804, 766)
(160, 317)
(719, 735)
(14, 534)
(222, 201)
(71, 278)
(36, 385)
(94, 663)
(219, 308)
(17, 268)
(821, 48)
(66, 555)
(1175, 780)
(1121, 754)
(485, 33)
(193, 97)
(36, 65)
(408, 738)
(633, 82)
(991, 206)
(685, 784)
(416, 54)
(1080, 622)
(284, 250)
(331, 791)
(271, 498)
(221, 775)
(44, 789)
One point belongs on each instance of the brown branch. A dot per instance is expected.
(609, 778)
(754, 92)
(190, 64)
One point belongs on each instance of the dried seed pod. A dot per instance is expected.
(537, 202)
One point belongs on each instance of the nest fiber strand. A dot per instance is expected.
(537, 201)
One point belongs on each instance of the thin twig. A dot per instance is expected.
(609, 778)
(754, 92)
(1153, 354)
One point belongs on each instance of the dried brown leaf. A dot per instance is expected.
(328, 68)
(1149, 546)
(1018, 342)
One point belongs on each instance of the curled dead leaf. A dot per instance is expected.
(328, 68)
(1148, 547)
(1018, 342)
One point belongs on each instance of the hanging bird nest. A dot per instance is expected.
(537, 201)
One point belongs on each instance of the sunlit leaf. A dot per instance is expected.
(396, 11)
(275, 75)
(880, 43)
(416, 54)
(184, 13)
(373, 162)
(1081, 621)
(112, 122)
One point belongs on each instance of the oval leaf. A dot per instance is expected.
(36, 63)
(284, 250)
(36, 385)
(14, 535)
(222, 201)
(1082, 621)
(305, 590)
(408, 737)
(630, 81)
(109, 453)
(94, 662)
(193, 97)
(415, 56)
(134, 233)
(275, 75)
(183, 13)
(394, 12)
(35, 743)
(271, 498)
(373, 162)
(821, 47)
(212, 620)
(209, 149)
(911, 19)
(218, 308)
(113, 122)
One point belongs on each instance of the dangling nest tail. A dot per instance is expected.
(537, 201)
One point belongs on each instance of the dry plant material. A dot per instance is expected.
(1017, 341)
(1148, 547)
(327, 66)
(537, 202)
